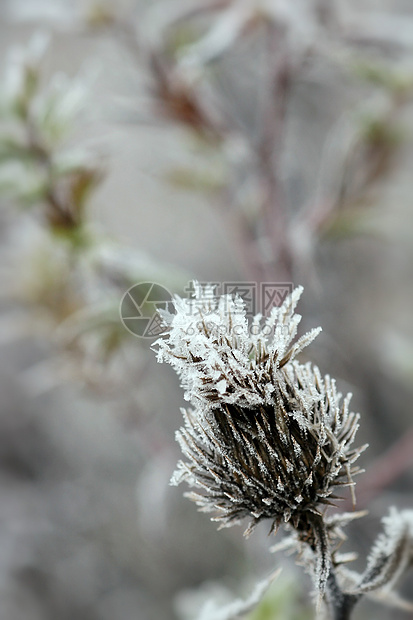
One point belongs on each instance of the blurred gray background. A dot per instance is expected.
(89, 527)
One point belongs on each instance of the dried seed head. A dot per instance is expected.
(220, 358)
(266, 437)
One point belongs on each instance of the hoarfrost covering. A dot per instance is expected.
(220, 357)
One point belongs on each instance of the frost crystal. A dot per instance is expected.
(392, 552)
(220, 359)
(266, 437)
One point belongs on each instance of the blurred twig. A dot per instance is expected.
(273, 239)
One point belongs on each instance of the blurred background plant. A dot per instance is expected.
(222, 140)
(67, 274)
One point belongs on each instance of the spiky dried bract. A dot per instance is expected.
(266, 437)
(220, 358)
(391, 554)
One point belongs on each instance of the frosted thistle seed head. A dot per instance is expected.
(266, 437)
(220, 358)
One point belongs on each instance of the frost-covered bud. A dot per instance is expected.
(266, 437)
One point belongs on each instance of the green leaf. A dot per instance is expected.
(394, 81)
(12, 149)
(190, 179)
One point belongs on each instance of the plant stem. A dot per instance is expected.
(340, 603)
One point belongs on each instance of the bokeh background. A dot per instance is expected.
(248, 141)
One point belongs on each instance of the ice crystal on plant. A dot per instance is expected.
(391, 554)
(220, 359)
(266, 437)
